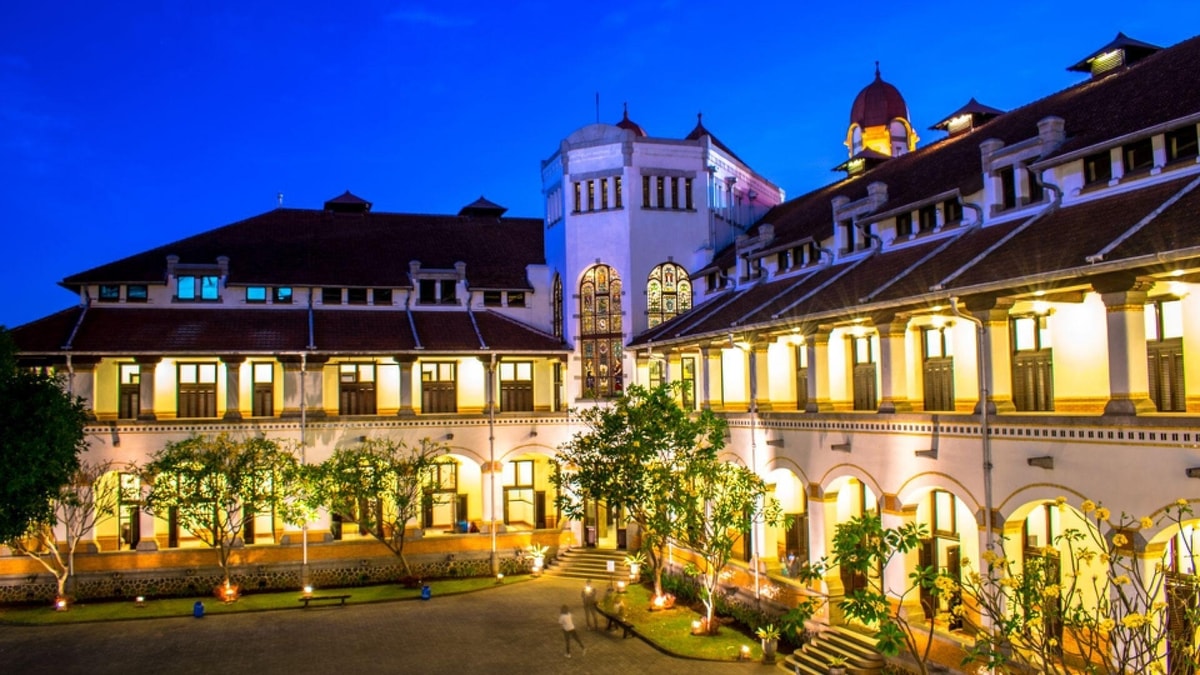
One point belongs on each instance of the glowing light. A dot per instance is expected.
(139, 601)
(60, 604)
(308, 589)
(1178, 289)
(1177, 273)
(1040, 307)
(500, 578)
(620, 586)
(744, 654)
(1038, 294)
(938, 321)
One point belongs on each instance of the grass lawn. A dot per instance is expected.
(671, 630)
(250, 602)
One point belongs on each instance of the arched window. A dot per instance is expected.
(558, 306)
(600, 332)
(668, 293)
(856, 140)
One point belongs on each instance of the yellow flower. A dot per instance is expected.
(1119, 539)
(1087, 506)
(1134, 621)
(1060, 500)
(1102, 513)
(1051, 591)
(958, 610)
(1146, 522)
(1008, 582)
(1106, 626)
(1158, 606)
(1120, 580)
(1181, 502)
(990, 557)
(1052, 642)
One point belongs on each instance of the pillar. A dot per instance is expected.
(406, 385)
(146, 366)
(1128, 370)
(233, 386)
(291, 386)
(710, 378)
(760, 377)
(817, 344)
(893, 364)
(997, 351)
(83, 382)
(314, 386)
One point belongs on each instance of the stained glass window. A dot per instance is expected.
(600, 332)
(668, 293)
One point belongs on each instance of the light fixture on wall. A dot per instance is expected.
(931, 453)
(840, 447)
(450, 436)
(1193, 472)
(532, 433)
(775, 443)
(1041, 462)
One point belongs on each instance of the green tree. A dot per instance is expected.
(41, 438)
(380, 484)
(76, 509)
(1090, 604)
(215, 484)
(862, 548)
(726, 501)
(631, 456)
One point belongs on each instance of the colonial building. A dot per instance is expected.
(954, 334)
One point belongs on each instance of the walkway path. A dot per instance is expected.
(505, 630)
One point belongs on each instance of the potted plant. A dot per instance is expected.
(837, 665)
(769, 634)
(538, 553)
(635, 562)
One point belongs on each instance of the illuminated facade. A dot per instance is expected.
(1034, 273)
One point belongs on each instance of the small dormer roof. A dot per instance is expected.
(482, 207)
(1130, 51)
(348, 202)
(862, 160)
(978, 112)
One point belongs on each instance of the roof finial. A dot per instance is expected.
(877, 70)
(699, 119)
(626, 106)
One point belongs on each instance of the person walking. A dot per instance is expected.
(568, 628)
(590, 615)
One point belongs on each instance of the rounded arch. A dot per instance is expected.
(601, 331)
(916, 487)
(668, 293)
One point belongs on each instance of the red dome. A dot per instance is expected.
(877, 104)
(627, 123)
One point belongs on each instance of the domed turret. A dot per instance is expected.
(879, 120)
(629, 124)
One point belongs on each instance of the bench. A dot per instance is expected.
(323, 598)
(626, 627)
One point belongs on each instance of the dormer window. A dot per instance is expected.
(1138, 156)
(1037, 191)
(110, 292)
(381, 297)
(282, 295)
(356, 296)
(492, 298)
(437, 292)
(331, 296)
(953, 211)
(516, 298)
(927, 219)
(1008, 188)
(904, 225)
(256, 294)
(1181, 143)
(783, 261)
(190, 288)
(137, 293)
(1097, 168)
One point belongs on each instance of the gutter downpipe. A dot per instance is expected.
(303, 440)
(491, 400)
(983, 355)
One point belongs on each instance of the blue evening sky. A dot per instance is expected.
(128, 125)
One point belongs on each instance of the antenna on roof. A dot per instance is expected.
(597, 107)
(279, 199)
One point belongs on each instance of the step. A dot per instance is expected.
(858, 651)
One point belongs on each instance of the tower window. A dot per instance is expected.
(617, 191)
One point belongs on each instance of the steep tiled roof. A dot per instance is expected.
(131, 330)
(302, 247)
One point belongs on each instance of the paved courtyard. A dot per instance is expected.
(507, 630)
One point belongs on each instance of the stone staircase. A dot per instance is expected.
(588, 563)
(813, 659)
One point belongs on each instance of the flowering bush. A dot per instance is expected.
(1086, 603)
